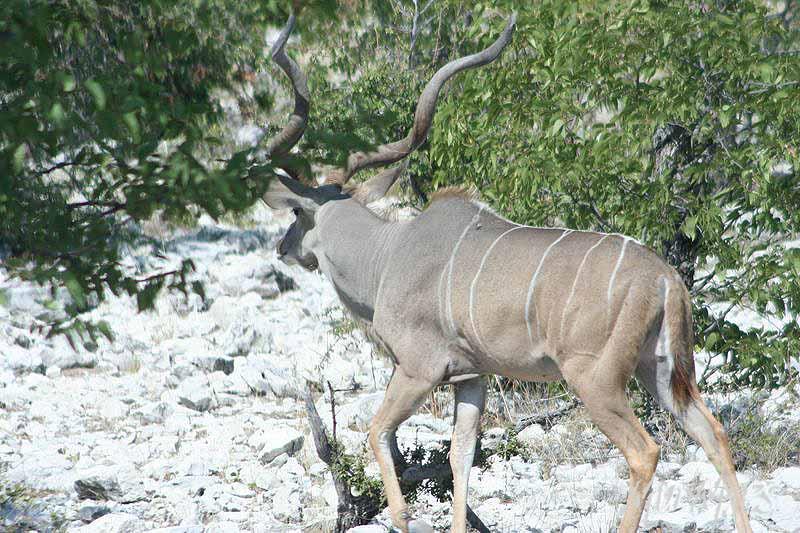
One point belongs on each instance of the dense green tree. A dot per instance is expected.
(109, 112)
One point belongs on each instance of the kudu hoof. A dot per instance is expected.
(418, 526)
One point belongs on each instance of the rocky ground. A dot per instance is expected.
(192, 420)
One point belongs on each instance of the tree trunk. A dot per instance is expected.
(672, 148)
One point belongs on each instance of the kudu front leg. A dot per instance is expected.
(403, 396)
(470, 399)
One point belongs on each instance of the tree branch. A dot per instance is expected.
(160, 275)
(546, 419)
(57, 166)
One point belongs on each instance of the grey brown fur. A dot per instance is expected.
(459, 292)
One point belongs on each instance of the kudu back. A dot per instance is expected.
(459, 292)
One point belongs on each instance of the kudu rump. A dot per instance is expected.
(460, 292)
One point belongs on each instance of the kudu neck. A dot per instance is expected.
(354, 245)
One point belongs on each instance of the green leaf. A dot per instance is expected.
(724, 117)
(75, 289)
(146, 296)
(57, 114)
(133, 125)
(557, 126)
(68, 83)
(18, 159)
(711, 340)
(105, 329)
(689, 227)
(97, 92)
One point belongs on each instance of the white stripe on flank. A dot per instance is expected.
(667, 340)
(574, 285)
(440, 295)
(449, 300)
(665, 359)
(625, 241)
(533, 285)
(475, 282)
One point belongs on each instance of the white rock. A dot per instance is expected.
(114, 523)
(154, 412)
(178, 529)
(258, 475)
(241, 490)
(196, 393)
(291, 471)
(235, 517)
(6, 377)
(695, 453)
(274, 441)
(18, 358)
(45, 469)
(318, 469)
(613, 492)
(667, 496)
(667, 470)
(566, 473)
(370, 528)
(702, 470)
(238, 339)
(357, 415)
(287, 504)
(790, 477)
(526, 471)
(222, 527)
(532, 434)
(112, 409)
(259, 375)
(227, 309)
(63, 355)
(25, 299)
(109, 483)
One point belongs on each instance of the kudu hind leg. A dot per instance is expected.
(700, 424)
(601, 387)
(403, 396)
(470, 399)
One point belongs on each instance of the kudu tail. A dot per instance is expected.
(677, 341)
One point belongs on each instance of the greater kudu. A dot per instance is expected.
(460, 292)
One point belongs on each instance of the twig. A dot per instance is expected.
(766, 87)
(57, 166)
(333, 410)
(156, 276)
(700, 283)
(545, 419)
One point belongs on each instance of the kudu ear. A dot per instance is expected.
(287, 193)
(377, 186)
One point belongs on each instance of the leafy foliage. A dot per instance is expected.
(352, 469)
(109, 113)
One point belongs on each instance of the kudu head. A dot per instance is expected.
(289, 192)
